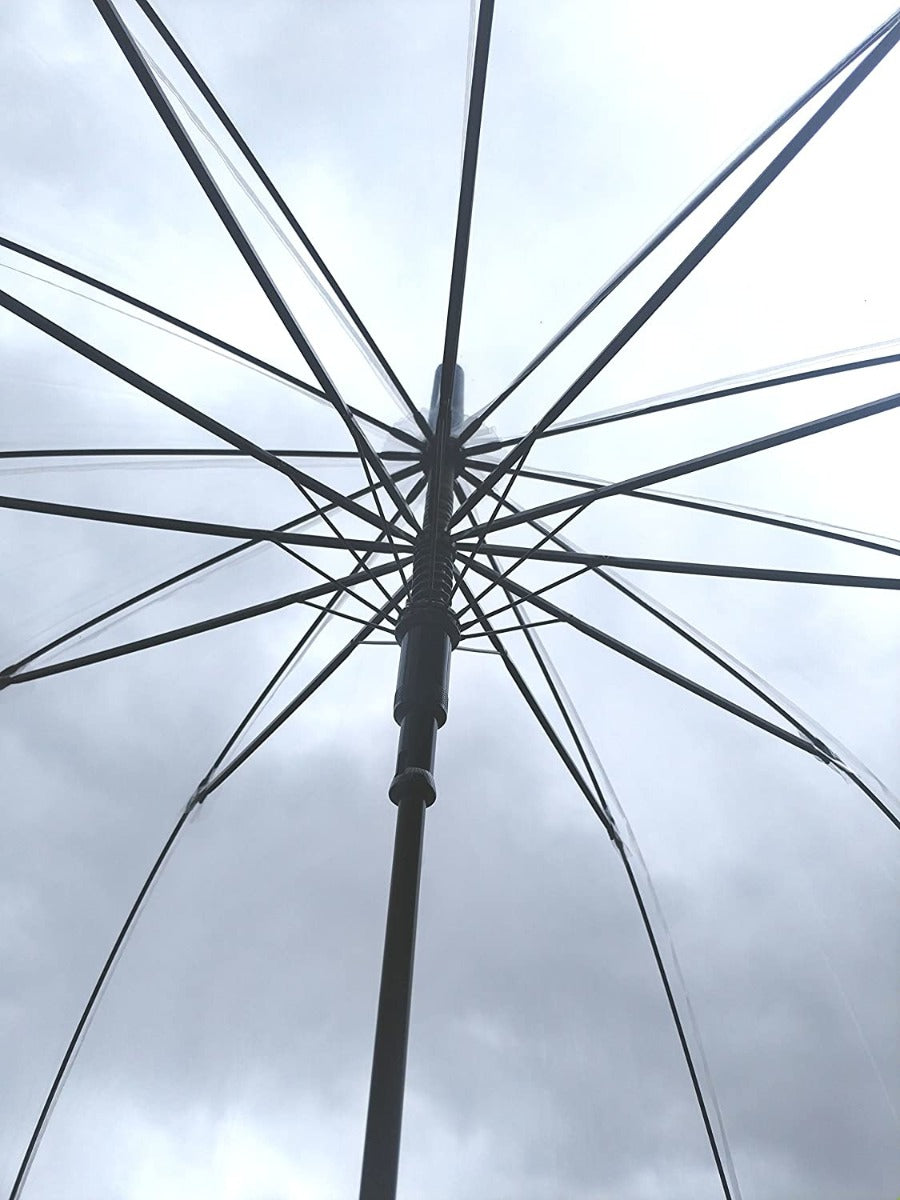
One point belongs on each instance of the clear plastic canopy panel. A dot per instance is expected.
(672, 292)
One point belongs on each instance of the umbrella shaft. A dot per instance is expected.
(382, 1146)
(427, 631)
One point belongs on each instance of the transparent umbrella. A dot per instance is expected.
(189, 665)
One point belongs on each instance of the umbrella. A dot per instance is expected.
(477, 569)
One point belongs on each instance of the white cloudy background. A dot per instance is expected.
(229, 1056)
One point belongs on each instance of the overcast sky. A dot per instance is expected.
(229, 1057)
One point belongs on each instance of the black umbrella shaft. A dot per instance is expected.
(382, 1145)
(427, 632)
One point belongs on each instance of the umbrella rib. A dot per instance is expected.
(361, 559)
(190, 452)
(538, 712)
(730, 665)
(699, 463)
(699, 252)
(601, 810)
(151, 310)
(495, 612)
(306, 639)
(651, 664)
(721, 508)
(279, 537)
(443, 418)
(672, 566)
(323, 609)
(83, 1021)
(323, 574)
(679, 1028)
(809, 744)
(671, 621)
(679, 399)
(673, 224)
(284, 208)
(465, 205)
(491, 586)
(211, 783)
(218, 622)
(329, 608)
(508, 628)
(200, 794)
(208, 340)
(93, 354)
(162, 586)
(594, 796)
(332, 525)
(189, 153)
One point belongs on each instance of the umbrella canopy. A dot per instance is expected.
(231, 1048)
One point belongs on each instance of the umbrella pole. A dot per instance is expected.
(382, 1144)
(427, 632)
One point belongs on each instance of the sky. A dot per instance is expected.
(229, 1055)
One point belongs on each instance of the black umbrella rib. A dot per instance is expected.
(278, 537)
(732, 667)
(597, 802)
(308, 635)
(83, 1021)
(330, 608)
(693, 259)
(443, 417)
(809, 744)
(214, 781)
(200, 794)
(157, 97)
(283, 539)
(594, 794)
(323, 610)
(158, 313)
(210, 341)
(540, 716)
(719, 508)
(651, 664)
(165, 584)
(467, 637)
(600, 807)
(674, 222)
(743, 676)
(207, 340)
(503, 608)
(676, 1018)
(701, 462)
(361, 560)
(675, 567)
(284, 208)
(93, 354)
(465, 204)
(219, 622)
(191, 452)
(680, 400)
(594, 797)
